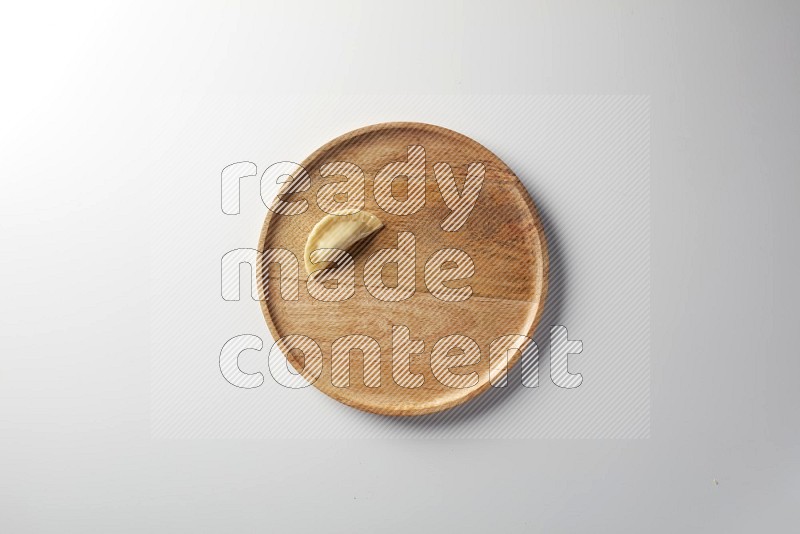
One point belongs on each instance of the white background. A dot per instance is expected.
(101, 101)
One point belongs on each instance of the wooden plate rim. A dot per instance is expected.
(471, 394)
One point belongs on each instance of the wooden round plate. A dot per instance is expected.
(502, 235)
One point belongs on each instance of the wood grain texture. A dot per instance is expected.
(503, 235)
